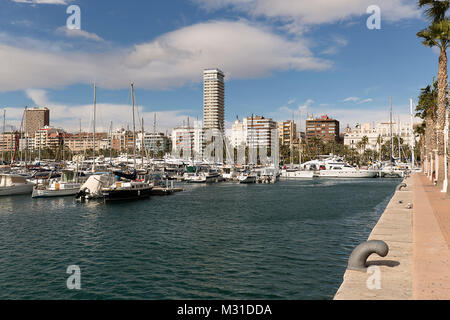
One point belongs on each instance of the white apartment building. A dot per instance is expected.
(155, 142)
(402, 129)
(188, 139)
(253, 131)
(238, 133)
(214, 99)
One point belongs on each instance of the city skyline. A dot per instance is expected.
(274, 63)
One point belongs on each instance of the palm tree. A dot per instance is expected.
(427, 109)
(379, 143)
(437, 35)
(364, 143)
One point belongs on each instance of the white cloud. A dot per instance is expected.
(38, 96)
(365, 101)
(298, 13)
(78, 33)
(351, 99)
(242, 49)
(68, 116)
(357, 100)
(345, 115)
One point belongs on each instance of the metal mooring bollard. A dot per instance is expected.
(401, 186)
(358, 258)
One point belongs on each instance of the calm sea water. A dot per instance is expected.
(290, 240)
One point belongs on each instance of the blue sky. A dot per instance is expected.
(278, 56)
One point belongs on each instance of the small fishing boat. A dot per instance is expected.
(247, 177)
(67, 186)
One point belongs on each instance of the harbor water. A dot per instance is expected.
(289, 240)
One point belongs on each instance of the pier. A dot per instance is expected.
(416, 227)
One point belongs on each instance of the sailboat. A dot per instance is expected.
(297, 173)
(126, 186)
(390, 169)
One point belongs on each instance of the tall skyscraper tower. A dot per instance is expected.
(36, 119)
(213, 99)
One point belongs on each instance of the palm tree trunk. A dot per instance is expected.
(430, 141)
(442, 105)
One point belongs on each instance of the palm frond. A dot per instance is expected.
(436, 10)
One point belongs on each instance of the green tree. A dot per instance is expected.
(437, 35)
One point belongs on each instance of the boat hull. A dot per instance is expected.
(348, 174)
(124, 195)
(297, 174)
(43, 193)
(247, 180)
(16, 190)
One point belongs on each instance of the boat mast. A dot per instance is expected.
(110, 142)
(252, 144)
(3, 136)
(411, 132)
(95, 106)
(142, 143)
(392, 138)
(26, 137)
(398, 140)
(134, 128)
(291, 146)
(300, 138)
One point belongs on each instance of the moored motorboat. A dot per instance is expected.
(92, 188)
(297, 174)
(247, 178)
(131, 190)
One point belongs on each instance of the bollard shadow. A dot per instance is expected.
(385, 263)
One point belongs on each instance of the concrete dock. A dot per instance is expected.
(416, 227)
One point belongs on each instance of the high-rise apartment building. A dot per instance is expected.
(213, 99)
(259, 131)
(325, 128)
(287, 131)
(36, 119)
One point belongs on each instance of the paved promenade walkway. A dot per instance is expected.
(431, 231)
(418, 264)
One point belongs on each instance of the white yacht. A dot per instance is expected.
(195, 177)
(392, 170)
(297, 174)
(334, 167)
(11, 184)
